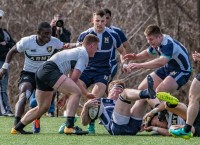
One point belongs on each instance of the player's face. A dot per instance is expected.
(44, 35)
(114, 93)
(99, 23)
(154, 40)
(108, 20)
(155, 122)
(93, 49)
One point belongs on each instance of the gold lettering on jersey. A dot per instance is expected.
(106, 40)
(49, 48)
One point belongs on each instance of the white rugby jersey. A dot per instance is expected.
(174, 119)
(72, 58)
(36, 55)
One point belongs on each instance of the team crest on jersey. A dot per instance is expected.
(49, 48)
(106, 40)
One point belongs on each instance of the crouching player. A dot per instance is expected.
(116, 116)
(52, 76)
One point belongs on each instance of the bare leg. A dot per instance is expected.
(99, 89)
(44, 101)
(194, 98)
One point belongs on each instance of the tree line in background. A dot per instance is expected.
(178, 18)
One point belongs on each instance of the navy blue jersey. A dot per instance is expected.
(130, 128)
(175, 52)
(123, 39)
(109, 41)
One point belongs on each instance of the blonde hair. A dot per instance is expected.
(116, 82)
(152, 30)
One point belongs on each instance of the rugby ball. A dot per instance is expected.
(96, 112)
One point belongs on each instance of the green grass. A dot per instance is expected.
(49, 136)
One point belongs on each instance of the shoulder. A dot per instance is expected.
(167, 40)
(28, 39)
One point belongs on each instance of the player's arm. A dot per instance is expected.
(156, 63)
(6, 64)
(144, 55)
(85, 119)
(159, 130)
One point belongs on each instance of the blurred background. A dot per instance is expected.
(178, 18)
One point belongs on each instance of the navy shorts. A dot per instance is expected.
(132, 128)
(181, 77)
(27, 77)
(90, 77)
(47, 75)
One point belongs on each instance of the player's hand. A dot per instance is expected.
(125, 69)
(148, 129)
(196, 56)
(148, 116)
(130, 56)
(133, 66)
(2, 73)
(92, 103)
(90, 96)
(62, 101)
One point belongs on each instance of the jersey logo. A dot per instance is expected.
(106, 40)
(49, 48)
(33, 50)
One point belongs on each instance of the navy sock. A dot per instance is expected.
(144, 94)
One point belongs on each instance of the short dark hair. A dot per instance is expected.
(43, 25)
(99, 13)
(107, 11)
(90, 38)
(152, 30)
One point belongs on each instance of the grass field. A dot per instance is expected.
(49, 136)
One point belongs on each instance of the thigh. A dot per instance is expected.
(27, 81)
(44, 98)
(180, 77)
(68, 86)
(86, 77)
(99, 89)
(194, 91)
(169, 84)
(156, 78)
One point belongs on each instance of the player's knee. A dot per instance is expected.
(194, 98)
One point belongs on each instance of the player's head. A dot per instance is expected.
(155, 122)
(99, 21)
(90, 42)
(108, 17)
(115, 88)
(44, 32)
(153, 35)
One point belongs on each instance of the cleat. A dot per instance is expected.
(62, 127)
(91, 128)
(180, 133)
(167, 98)
(75, 130)
(36, 126)
(150, 89)
(14, 131)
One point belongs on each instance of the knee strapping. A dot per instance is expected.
(28, 94)
(124, 100)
